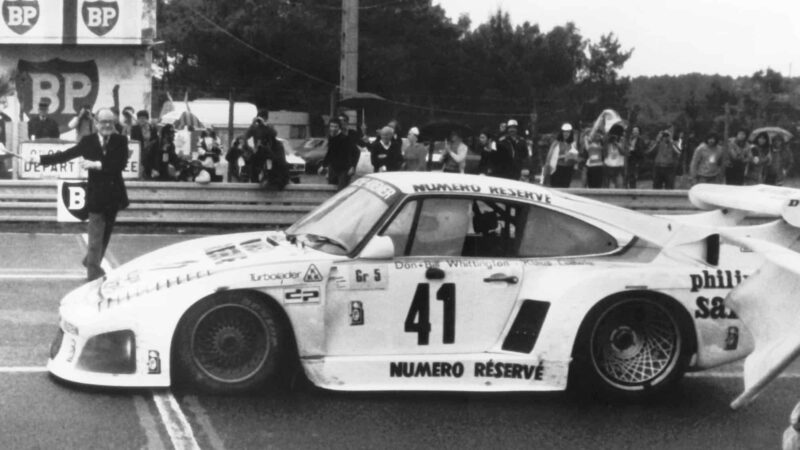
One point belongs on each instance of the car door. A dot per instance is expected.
(442, 292)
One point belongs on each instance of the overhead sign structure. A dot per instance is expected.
(69, 170)
(78, 22)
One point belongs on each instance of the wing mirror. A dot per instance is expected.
(379, 247)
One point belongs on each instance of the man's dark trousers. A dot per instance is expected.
(101, 224)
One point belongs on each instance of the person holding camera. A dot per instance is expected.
(668, 155)
(83, 123)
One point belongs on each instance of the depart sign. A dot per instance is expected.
(78, 22)
(69, 170)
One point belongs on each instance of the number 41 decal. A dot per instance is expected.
(418, 318)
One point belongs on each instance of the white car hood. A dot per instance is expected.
(198, 259)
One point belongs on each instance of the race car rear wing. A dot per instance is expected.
(767, 301)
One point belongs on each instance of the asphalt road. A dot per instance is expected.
(36, 412)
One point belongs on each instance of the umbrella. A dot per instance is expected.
(358, 100)
(772, 132)
(440, 130)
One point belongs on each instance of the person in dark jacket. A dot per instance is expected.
(338, 160)
(105, 155)
(235, 158)
(145, 133)
(512, 153)
(274, 169)
(43, 126)
(162, 155)
(386, 153)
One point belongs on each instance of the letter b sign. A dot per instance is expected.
(72, 201)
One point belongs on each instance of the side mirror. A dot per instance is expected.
(379, 247)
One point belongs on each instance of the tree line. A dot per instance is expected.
(284, 54)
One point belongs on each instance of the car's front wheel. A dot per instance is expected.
(630, 348)
(229, 343)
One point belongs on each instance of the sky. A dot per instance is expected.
(671, 37)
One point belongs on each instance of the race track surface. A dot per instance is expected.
(37, 412)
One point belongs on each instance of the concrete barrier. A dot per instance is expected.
(247, 204)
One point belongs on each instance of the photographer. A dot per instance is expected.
(666, 160)
(83, 123)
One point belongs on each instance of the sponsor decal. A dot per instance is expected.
(72, 201)
(541, 197)
(21, 15)
(67, 85)
(426, 369)
(305, 295)
(732, 339)
(153, 362)
(377, 187)
(255, 246)
(498, 369)
(369, 277)
(312, 275)
(71, 350)
(284, 276)
(356, 313)
(722, 279)
(452, 263)
(410, 265)
(225, 253)
(713, 308)
(793, 203)
(100, 16)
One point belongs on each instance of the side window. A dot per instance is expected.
(441, 227)
(550, 233)
(400, 227)
(494, 229)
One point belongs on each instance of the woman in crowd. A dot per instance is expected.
(707, 162)
(487, 148)
(760, 151)
(454, 158)
(163, 155)
(416, 154)
(614, 162)
(594, 161)
(780, 162)
(737, 155)
(561, 158)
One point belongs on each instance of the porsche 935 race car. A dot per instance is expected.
(426, 281)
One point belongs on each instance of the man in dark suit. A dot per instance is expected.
(43, 126)
(339, 157)
(105, 154)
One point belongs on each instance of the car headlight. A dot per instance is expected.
(113, 352)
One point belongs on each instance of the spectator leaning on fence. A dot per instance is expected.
(454, 157)
(338, 159)
(386, 153)
(761, 152)
(561, 159)
(737, 156)
(416, 154)
(780, 162)
(666, 160)
(707, 162)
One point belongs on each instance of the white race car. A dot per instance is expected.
(426, 281)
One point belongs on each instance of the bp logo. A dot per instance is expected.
(66, 85)
(72, 201)
(100, 16)
(20, 15)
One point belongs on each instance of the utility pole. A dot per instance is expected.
(348, 68)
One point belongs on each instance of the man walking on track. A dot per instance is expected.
(105, 154)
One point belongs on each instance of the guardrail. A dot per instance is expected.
(247, 204)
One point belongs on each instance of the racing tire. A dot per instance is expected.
(230, 343)
(631, 348)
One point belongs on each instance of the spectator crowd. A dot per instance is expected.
(596, 157)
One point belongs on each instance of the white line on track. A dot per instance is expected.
(177, 425)
(148, 422)
(23, 369)
(178, 428)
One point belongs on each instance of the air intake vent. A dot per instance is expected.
(712, 249)
(526, 327)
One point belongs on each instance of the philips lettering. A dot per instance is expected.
(722, 279)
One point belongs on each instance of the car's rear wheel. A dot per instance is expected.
(230, 343)
(630, 348)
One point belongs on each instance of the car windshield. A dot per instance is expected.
(339, 224)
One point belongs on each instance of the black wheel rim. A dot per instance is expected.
(230, 343)
(635, 344)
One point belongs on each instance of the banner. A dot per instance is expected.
(71, 201)
(81, 22)
(69, 170)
